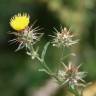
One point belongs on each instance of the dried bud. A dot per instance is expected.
(64, 38)
(27, 37)
(71, 75)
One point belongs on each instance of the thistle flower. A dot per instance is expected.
(71, 75)
(19, 22)
(64, 38)
(26, 36)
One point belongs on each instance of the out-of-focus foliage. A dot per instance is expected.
(18, 75)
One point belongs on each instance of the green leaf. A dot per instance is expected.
(44, 70)
(44, 50)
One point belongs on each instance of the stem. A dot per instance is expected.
(45, 65)
(42, 62)
(75, 92)
(62, 52)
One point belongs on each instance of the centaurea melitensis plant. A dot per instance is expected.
(27, 36)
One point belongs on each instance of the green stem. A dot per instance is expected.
(42, 62)
(46, 67)
(75, 92)
(62, 52)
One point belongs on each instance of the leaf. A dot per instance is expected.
(28, 53)
(44, 70)
(44, 50)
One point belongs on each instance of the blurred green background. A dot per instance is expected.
(18, 74)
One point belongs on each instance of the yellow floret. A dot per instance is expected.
(19, 21)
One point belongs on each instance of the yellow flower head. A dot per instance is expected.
(19, 21)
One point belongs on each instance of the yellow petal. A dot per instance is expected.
(19, 21)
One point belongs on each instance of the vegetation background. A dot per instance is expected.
(18, 74)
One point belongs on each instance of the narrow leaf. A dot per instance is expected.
(44, 70)
(44, 51)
